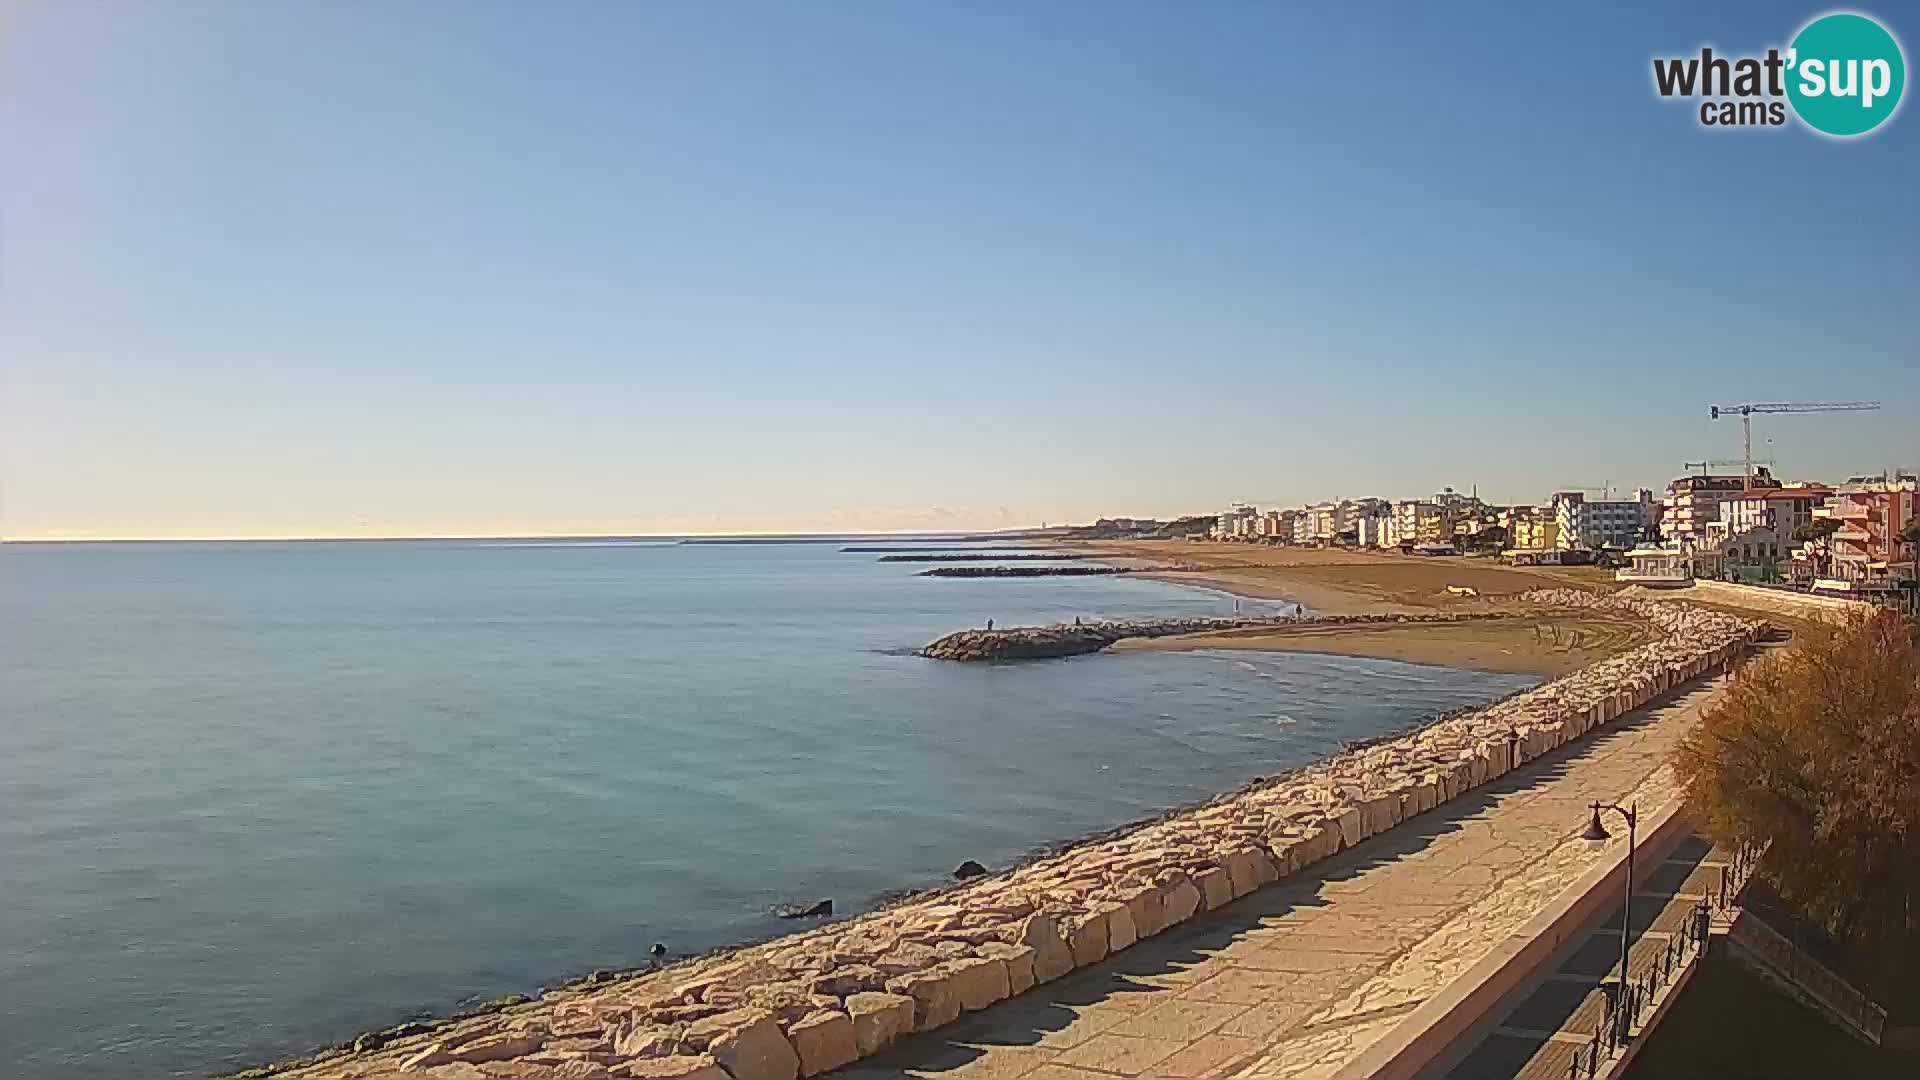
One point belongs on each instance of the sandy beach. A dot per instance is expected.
(1337, 582)
(1546, 645)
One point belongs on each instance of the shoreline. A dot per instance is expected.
(914, 894)
(1527, 642)
(830, 995)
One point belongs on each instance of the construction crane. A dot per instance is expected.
(1745, 412)
(1721, 463)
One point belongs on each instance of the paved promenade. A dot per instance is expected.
(1540, 1037)
(1298, 978)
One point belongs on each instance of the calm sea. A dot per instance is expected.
(259, 797)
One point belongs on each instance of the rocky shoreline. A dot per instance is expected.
(1031, 571)
(1078, 639)
(804, 1004)
(976, 556)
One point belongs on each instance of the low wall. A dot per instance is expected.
(815, 1001)
(1445, 1026)
(1780, 602)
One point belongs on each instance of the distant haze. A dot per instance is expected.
(307, 269)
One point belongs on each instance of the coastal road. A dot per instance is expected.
(1299, 978)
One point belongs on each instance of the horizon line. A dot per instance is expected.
(923, 534)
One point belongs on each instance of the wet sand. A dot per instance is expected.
(1546, 645)
(1338, 582)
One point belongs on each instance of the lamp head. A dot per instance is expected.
(1596, 833)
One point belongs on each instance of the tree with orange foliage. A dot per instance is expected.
(1816, 749)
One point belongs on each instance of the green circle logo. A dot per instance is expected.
(1845, 74)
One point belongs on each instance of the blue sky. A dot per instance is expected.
(461, 268)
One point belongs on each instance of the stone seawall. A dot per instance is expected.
(808, 1003)
(1075, 639)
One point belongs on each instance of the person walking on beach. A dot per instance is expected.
(989, 625)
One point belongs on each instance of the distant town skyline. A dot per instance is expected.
(486, 269)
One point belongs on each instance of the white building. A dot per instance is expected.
(1240, 521)
(1693, 501)
(1597, 523)
(1415, 520)
(1786, 509)
(1371, 530)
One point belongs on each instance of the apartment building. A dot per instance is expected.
(1598, 523)
(1418, 521)
(1693, 501)
(1869, 549)
(1531, 528)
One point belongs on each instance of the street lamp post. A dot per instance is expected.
(1597, 833)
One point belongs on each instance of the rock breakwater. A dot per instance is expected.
(1077, 639)
(815, 1001)
(1034, 571)
(976, 556)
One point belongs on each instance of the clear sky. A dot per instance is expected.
(420, 268)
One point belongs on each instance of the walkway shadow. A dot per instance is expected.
(1039, 1017)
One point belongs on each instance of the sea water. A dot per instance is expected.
(255, 798)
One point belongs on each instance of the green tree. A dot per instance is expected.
(1816, 749)
(1817, 529)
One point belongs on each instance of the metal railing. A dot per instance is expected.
(1738, 871)
(1629, 999)
(1833, 992)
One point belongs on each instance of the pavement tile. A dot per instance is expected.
(1180, 1019)
(1120, 1053)
(1244, 986)
(1209, 1057)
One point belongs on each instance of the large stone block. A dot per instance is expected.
(678, 1067)
(751, 1046)
(824, 1041)
(979, 981)
(1120, 928)
(1493, 757)
(500, 1046)
(1350, 826)
(1379, 814)
(1179, 899)
(1321, 841)
(1144, 904)
(640, 1040)
(878, 1019)
(1052, 953)
(1242, 873)
(1088, 936)
(936, 1000)
(1216, 887)
(1019, 961)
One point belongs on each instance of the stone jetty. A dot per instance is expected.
(896, 548)
(1034, 571)
(1076, 639)
(980, 556)
(801, 1005)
